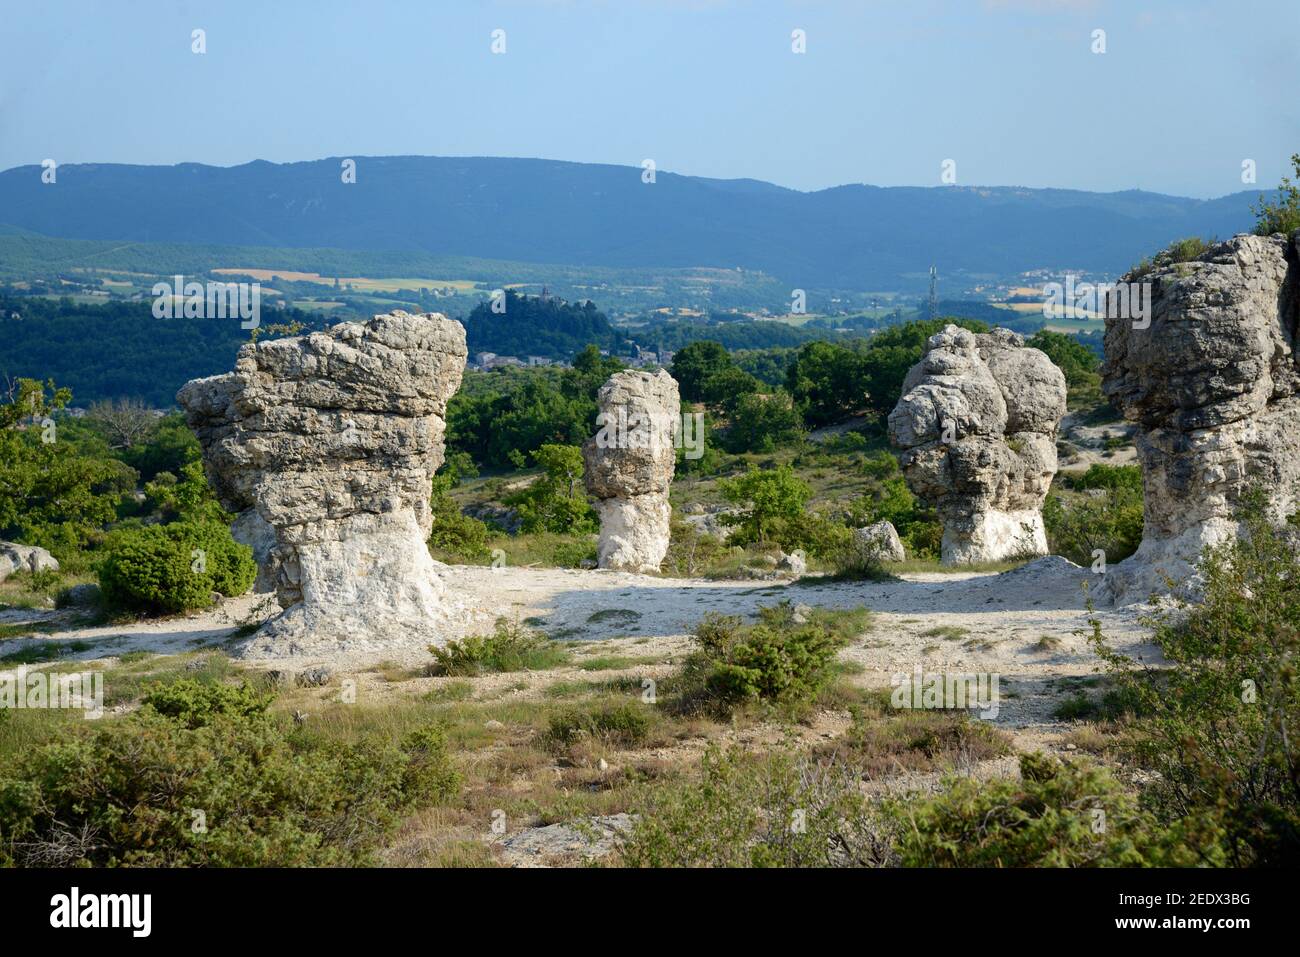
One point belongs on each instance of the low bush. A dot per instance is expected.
(455, 534)
(1059, 814)
(510, 647)
(759, 811)
(172, 568)
(1217, 719)
(233, 791)
(196, 704)
(785, 658)
(1106, 518)
(624, 724)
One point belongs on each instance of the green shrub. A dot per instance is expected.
(1059, 814)
(510, 647)
(1109, 477)
(1217, 720)
(1284, 215)
(758, 811)
(767, 497)
(196, 704)
(455, 534)
(690, 551)
(173, 568)
(623, 725)
(146, 790)
(884, 740)
(1110, 520)
(784, 658)
(557, 501)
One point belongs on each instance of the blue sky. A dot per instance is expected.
(1009, 89)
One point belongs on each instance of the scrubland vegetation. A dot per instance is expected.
(717, 756)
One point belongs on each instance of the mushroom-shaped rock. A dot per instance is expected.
(977, 425)
(326, 445)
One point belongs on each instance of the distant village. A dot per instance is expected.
(642, 358)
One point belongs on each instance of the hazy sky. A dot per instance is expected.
(1009, 89)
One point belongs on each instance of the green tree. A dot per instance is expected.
(767, 497)
(893, 351)
(695, 363)
(557, 501)
(1282, 216)
(51, 494)
(827, 382)
(762, 423)
(1077, 362)
(725, 389)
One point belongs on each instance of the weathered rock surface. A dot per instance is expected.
(326, 445)
(1213, 387)
(629, 468)
(26, 558)
(977, 424)
(879, 542)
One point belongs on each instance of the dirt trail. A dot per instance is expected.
(1029, 625)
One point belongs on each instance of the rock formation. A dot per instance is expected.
(1210, 378)
(326, 445)
(27, 558)
(977, 424)
(629, 467)
(879, 543)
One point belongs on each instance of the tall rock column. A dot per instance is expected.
(977, 425)
(629, 468)
(326, 445)
(1211, 379)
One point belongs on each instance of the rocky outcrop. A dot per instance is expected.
(629, 467)
(26, 558)
(326, 445)
(879, 543)
(1210, 379)
(977, 425)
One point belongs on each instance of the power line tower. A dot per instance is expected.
(934, 293)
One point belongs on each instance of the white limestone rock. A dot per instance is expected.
(326, 445)
(27, 558)
(629, 467)
(977, 423)
(1213, 387)
(879, 542)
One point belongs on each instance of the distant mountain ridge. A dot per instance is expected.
(852, 237)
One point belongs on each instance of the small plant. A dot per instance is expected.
(946, 632)
(619, 725)
(1284, 215)
(1215, 721)
(196, 704)
(130, 792)
(1059, 814)
(749, 811)
(785, 658)
(510, 647)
